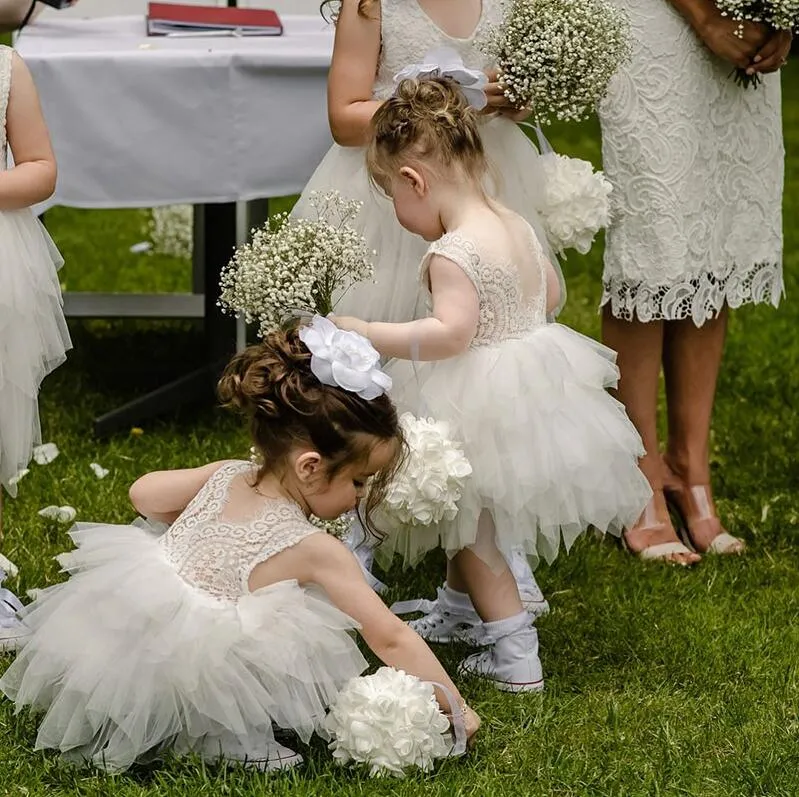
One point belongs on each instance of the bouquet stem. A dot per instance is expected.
(744, 80)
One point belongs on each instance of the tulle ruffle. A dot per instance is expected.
(33, 334)
(517, 180)
(126, 657)
(553, 453)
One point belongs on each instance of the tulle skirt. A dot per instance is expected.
(127, 658)
(33, 333)
(516, 180)
(552, 452)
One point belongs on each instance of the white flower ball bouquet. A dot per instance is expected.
(577, 203)
(391, 722)
(296, 264)
(426, 490)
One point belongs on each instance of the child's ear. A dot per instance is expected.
(308, 466)
(415, 178)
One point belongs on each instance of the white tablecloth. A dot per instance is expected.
(139, 121)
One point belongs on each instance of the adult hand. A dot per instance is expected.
(498, 102)
(773, 54)
(736, 42)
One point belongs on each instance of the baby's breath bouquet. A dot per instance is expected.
(296, 264)
(777, 14)
(557, 56)
(171, 230)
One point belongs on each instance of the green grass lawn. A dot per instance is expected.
(659, 681)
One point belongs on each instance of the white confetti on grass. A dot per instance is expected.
(45, 453)
(99, 471)
(62, 514)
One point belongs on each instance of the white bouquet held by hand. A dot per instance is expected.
(577, 202)
(557, 56)
(426, 490)
(390, 721)
(297, 264)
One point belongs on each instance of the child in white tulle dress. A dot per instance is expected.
(33, 332)
(374, 42)
(552, 453)
(238, 618)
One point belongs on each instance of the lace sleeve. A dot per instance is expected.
(461, 252)
(6, 54)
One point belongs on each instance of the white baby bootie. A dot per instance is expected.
(511, 663)
(265, 755)
(449, 618)
(533, 599)
(12, 632)
(359, 542)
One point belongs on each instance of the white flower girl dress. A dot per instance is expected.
(552, 452)
(33, 332)
(156, 642)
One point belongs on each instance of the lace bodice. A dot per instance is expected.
(512, 296)
(408, 34)
(5, 87)
(218, 539)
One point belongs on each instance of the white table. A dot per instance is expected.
(213, 121)
(139, 122)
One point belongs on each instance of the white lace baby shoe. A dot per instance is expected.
(512, 662)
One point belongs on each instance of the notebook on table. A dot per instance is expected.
(170, 19)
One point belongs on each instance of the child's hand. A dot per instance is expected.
(350, 324)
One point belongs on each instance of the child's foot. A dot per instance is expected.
(278, 756)
(512, 662)
(449, 618)
(533, 599)
(12, 631)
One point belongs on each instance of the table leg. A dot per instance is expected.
(215, 238)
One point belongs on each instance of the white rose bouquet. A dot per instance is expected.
(297, 264)
(389, 721)
(557, 56)
(577, 202)
(429, 485)
(777, 14)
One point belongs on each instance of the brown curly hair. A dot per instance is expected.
(272, 384)
(428, 119)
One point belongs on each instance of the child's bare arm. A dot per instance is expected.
(163, 495)
(350, 82)
(447, 332)
(33, 177)
(322, 560)
(553, 288)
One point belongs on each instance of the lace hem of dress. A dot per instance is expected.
(700, 298)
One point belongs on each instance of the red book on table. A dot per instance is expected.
(172, 18)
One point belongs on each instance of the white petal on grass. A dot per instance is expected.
(141, 247)
(7, 565)
(18, 477)
(45, 453)
(63, 514)
(99, 471)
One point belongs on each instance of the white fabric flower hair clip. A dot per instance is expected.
(445, 62)
(344, 359)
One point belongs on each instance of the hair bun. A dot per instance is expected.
(269, 377)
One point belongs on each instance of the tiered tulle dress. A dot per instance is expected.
(552, 452)
(517, 178)
(33, 332)
(156, 641)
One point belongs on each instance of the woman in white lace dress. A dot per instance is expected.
(697, 166)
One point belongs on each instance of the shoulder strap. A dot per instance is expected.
(461, 251)
(6, 54)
